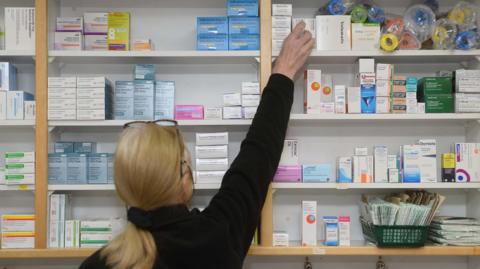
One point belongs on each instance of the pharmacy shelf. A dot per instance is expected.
(111, 187)
(120, 123)
(266, 251)
(17, 187)
(405, 56)
(17, 56)
(17, 123)
(172, 56)
(376, 186)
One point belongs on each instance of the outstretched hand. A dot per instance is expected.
(295, 51)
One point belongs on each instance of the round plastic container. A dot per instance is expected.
(420, 20)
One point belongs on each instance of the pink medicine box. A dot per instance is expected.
(288, 173)
(189, 112)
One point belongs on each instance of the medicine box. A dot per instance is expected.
(249, 100)
(62, 82)
(309, 223)
(280, 239)
(94, 240)
(97, 168)
(282, 10)
(8, 77)
(95, 22)
(245, 8)
(361, 151)
(118, 31)
(61, 104)
(29, 110)
(467, 103)
(189, 112)
(209, 177)
(18, 240)
(448, 167)
(19, 28)
(102, 93)
(384, 71)
(19, 157)
(249, 112)
(84, 147)
(344, 174)
(435, 85)
(72, 234)
(234, 112)
(208, 152)
(411, 84)
(17, 223)
(335, 32)
(77, 168)
(110, 168)
(232, 99)
(383, 88)
(15, 107)
(124, 100)
(382, 105)
(366, 65)
(282, 22)
(439, 103)
(212, 42)
(2, 176)
(365, 36)
(280, 33)
(393, 175)
(363, 169)
(212, 25)
(368, 99)
(244, 25)
(327, 95)
(57, 168)
(331, 230)
(313, 85)
(354, 100)
(211, 139)
(467, 81)
(288, 173)
(62, 114)
(340, 99)
(220, 164)
(392, 161)
(411, 155)
(213, 113)
(19, 168)
(62, 93)
(164, 100)
(94, 114)
(381, 164)
(250, 87)
(92, 82)
(20, 179)
(290, 152)
(317, 173)
(344, 231)
(244, 42)
(277, 45)
(3, 105)
(468, 162)
(144, 100)
(95, 42)
(144, 72)
(68, 41)
(309, 24)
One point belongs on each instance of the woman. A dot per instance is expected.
(153, 177)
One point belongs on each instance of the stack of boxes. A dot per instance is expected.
(240, 30)
(79, 163)
(211, 154)
(62, 98)
(399, 95)
(17, 231)
(232, 106)
(384, 76)
(281, 24)
(19, 168)
(90, 32)
(94, 98)
(14, 105)
(467, 97)
(59, 211)
(250, 99)
(437, 93)
(144, 93)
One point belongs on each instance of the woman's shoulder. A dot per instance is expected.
(94, 262)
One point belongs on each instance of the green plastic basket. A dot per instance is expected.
(396, 236)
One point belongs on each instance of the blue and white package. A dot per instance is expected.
(164, 100)
(212, 42)
(411, 155)
(98, 168)
(63, 147)
(77, 168)
(124, 104)
(84, 147)
(144, 96)
(411, 84)
(368, 99)
(8, 77)
(212, 25)
(246, 8)
(145, 72)
(57, 168)
(344, 174)
(110, 160)
(331, 231)
(244, 25)
(321, 173)
(244, 42)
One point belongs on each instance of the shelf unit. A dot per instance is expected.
(51, 62)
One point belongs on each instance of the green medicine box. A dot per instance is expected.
(439, 103)
(435, 85)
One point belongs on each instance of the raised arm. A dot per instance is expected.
(240, 199)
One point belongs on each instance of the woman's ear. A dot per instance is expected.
(187, 186)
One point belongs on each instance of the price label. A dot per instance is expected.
(342, 186)
(319, 251)
(23, 187)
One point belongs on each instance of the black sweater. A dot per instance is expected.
(220, 236)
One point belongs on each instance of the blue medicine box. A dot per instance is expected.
(212, 25)
(145, 71)
(123, 104)
(110, 160)
(164, 100)
(321, 173)
(84, 147)
(144, 103)
(246, 8)
(57, 168)
(212, 42)
(244, 25)
(63, 147)
(98, 168)
(77, 168)
(411, 84)
(368, 99)
(244, 42)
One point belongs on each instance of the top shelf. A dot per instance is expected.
(17, 56)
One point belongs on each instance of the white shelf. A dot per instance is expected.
(16, 187)
(120, 123)
(16, 123)
(111, 187)
(17, 56)
(173, 56)
(425, 56)
(377, 186)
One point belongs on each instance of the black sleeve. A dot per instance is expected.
(240, 199)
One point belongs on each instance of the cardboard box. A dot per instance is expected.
(19, 157)
(211, 139)
(344, 174)
(62, 104)
(232, 99)
(250, 87)
(383, 88)
(384, 71)
(19, 28)
(366, 65)
(124, 100)
(309, 223)
(3, 105)
(213, 113)
(354, 100)
(382, 105)
(93, 115)
(327, 95)
(77, 168)
(363, 169)
(368, 99)
(8, 77)
(17, 223)
(366, 36)
(93, 82)
(244, 25)
(220, 164)
(448, 167)
(468, 162)
(234, 112)
(282, 10)
(244, 42)
(2, 176)
(209, 177)
(62, 114)
(164, 100)
(29, 110)
(62, 82)
(440, 103)
(250, 100)
(72, 234)
(212, 42)
(211, 152)
(289, 153)
(344, 231)
(392, 162)
(118, 31)
(467, 103)
(97, 168)
(394, 175)
(84, 147)
(467, 81)
(411, 155)
(317, 173)
(18, 240)
(68, 41)
(95, 42)
(249, 112)
(63, 147)
(57, 168)
(412, 106)
(340, 99)
(288, 173)
(144, 72)
(95, 22)
(62, 93)
(282, 22)
(19, 168)
(144, 100)
(15, 106)
(313, 93)
(333, 32)
(280, 239)
(20, 179)
(212, 25)
(245, 8)
(331, 230)
(435, 85)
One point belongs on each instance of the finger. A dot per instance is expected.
(307, 48)
(299, 28)
(306, 37)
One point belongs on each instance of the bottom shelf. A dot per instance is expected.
(267, 251)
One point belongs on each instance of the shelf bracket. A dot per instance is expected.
(51, 59)
(307, 264)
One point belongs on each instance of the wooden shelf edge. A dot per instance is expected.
(265, 251)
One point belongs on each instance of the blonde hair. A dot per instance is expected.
(147, 176)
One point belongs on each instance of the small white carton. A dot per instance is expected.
(309, 223)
